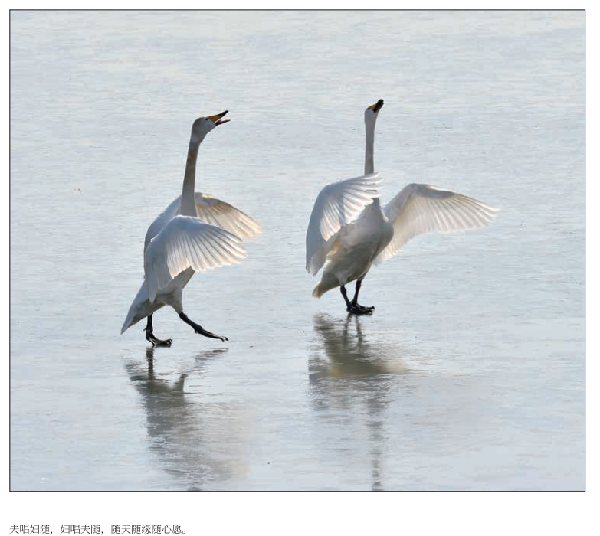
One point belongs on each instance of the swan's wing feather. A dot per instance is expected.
(187, 242)
(420, 208)
(211, 210)
(161, 220)
(337, 204)
(222, 214)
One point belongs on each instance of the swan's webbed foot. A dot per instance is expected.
(352, 306)
(154, 340)
(158, 342)
(364, 307)
(355, 309)
(200, 330)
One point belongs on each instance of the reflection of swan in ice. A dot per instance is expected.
(181, 426)
(352, 354)
(354, 375)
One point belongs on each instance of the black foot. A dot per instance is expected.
(157, 342)
(355, 309)
(201, 331)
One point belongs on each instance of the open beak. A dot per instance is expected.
(377, 106)
(216, 119)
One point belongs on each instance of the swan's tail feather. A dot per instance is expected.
(128, 321)
(328, 282)
(140, 308)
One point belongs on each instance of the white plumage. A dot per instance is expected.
(421, 208)
(337, 205)
(187, 242)
(350, 230)
(210, 210)
(196, 232)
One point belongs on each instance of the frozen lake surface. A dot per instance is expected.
(470, 375)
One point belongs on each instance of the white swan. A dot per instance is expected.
(350, 230)
(195, 232)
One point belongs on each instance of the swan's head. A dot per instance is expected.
(372, 112)
(203, 125)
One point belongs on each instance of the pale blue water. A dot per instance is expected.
(470, 374)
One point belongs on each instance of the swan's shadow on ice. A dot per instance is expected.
(176, 420)
(352, 371)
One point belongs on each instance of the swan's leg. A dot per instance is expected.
(353, 308)
(150, 336)
(358, 285)
(355, 299)
(199, 329)
(343, 291)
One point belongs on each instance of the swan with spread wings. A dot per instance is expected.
(196, 232)
(349, 230)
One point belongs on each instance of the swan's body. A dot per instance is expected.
(350, 229)
(357, 246)
(195, 232)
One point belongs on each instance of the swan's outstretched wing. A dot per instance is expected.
(161, 220)
(336, 205)
(187, 242)
(211, 210)
(420, 208)
(222, 214)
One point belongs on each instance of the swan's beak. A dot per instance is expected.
(377, 106)
(216, 119)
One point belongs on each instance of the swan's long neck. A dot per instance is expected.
(188, 201)
(369, 162)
